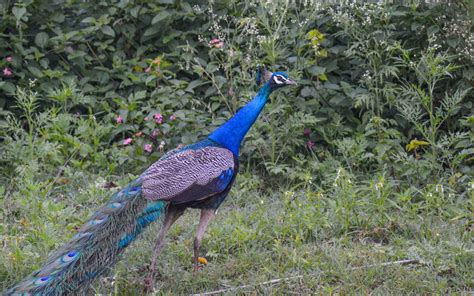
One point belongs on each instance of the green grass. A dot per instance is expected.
(260, 235)
(252, 244)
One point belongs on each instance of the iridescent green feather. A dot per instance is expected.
(96, 246)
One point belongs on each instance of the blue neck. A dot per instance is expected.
(231, 133)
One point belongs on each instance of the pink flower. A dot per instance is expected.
(148, 148)
(173, 117)
(146, 119)
(155, 134)
(157, 61)
(7, 72)
(307, 132)
(119, 119)
(158, 118)
(9, 59)
(148, 70)
(127, 141)
(216, 43)
(310, 144)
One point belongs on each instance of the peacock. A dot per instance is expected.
(197, 176)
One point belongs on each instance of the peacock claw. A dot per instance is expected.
(150, 280)
(153, 274)
(197, 268)
(199, 265)
(149, 284)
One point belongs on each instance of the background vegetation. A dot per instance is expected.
(369, 160)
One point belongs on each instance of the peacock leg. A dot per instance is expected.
(206, 216)
(172, 214)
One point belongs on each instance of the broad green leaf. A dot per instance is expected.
(160, 16)
(35, 71)
(134, 11)
(195, 83)
(140, 95)
(153, 30)
(107, 30)
(89, 19)
(323, 77)
(41, 39)
(316, 70)
(58, 17)
(8, 87)
(18, 12)
(307, 91)
(415, 144)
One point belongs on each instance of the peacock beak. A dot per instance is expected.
(291, 82)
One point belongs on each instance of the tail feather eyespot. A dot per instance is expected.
(69, 257)
(134, 190)
(116, 205)
(42, 280)
(81, 235)
(92, 223)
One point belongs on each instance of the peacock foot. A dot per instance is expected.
(149, 284)
(201, 262)
(150, 280)
(196, 268)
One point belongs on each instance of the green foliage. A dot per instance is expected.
(373, 150)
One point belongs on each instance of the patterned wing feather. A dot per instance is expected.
(189, 175)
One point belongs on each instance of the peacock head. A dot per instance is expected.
(274, 80)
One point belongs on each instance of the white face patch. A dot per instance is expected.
(278, 79)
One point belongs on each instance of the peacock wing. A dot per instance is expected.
(189, 175)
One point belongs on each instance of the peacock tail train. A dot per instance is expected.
(96, 247)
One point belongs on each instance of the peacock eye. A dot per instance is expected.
(81, 235)
(69, 257)
(278, 79)
(97, 221)
(42, 280)
(116, 205)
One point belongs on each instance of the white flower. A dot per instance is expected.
(439, 188)
(197, 8)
